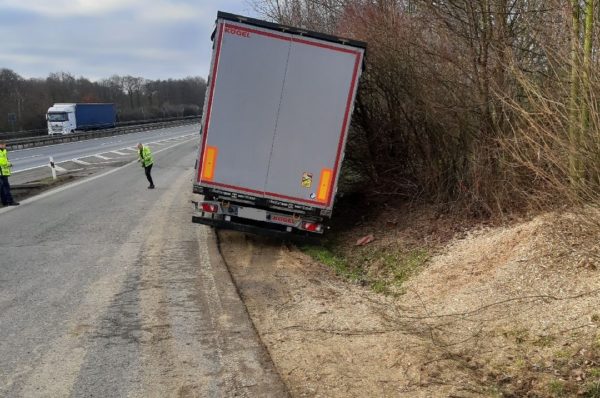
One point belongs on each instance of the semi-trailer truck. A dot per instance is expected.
(69, 118)
(278, 105)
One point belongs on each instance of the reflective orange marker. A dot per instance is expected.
(324, 185)
(210, 162)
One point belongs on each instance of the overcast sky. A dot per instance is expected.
(154, 39)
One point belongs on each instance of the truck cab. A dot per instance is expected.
(61, 119)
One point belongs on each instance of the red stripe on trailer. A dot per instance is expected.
(259, 32)
(357, 55)
(327, 46)
(291, 38)
(210, 100)
(344, 126)
(254, 191)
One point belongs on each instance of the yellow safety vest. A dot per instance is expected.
(146, 156)
(5, 165)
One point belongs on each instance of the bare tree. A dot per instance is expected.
(135, 97)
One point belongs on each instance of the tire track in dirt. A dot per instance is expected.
(330, 338)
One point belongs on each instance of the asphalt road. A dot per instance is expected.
(37, 157)
(108, 290)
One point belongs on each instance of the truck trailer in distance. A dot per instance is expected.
(276, 117)
(69, 118)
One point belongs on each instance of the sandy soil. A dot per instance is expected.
(503, 311)
(329, 338)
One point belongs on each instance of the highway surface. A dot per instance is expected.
(108, 290)
(27, 159)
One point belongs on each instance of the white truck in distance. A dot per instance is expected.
(68, 118)
(276, 117)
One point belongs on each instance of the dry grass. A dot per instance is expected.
(497, 310)
(515, 306)
(521, 301)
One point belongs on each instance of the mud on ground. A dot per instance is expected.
(495, 311)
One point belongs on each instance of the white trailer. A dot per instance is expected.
(276, 117)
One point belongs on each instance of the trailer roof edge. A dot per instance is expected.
(291, 29)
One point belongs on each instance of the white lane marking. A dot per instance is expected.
(78, 183)
(188, 134)
(119, 153)
(102, 157)
(130, 135)
(81, 162)
(27, 157)
(134, 149)
(108, 162)
(58, 168)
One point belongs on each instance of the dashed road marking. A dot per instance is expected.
(84, 181)
(134, 149)
(119, 153)
(81, 162)
(58, 168)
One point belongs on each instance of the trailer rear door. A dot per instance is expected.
(245, 92)
(277, 114)
(318, 94)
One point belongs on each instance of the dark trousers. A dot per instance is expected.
(148, 169)
(5, 191)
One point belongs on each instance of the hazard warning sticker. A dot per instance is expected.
(307, 179)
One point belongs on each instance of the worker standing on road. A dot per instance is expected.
(146, 161)
(5, 166)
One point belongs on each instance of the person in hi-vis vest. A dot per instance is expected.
(145, 158)
(5, 166)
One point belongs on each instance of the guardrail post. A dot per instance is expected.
(52, 168)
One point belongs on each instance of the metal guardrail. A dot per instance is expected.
(22, 143)
(10, 135)
(23, 134)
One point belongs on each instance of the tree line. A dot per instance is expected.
(24, 102)
(488, 105)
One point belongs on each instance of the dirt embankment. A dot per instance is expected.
(498, 311)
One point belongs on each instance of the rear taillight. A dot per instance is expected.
(210, 207)
(312, 226)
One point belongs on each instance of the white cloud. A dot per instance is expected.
(67, 8)
(157, 10)
(99, 38)
(168, 12)
(161, 11)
